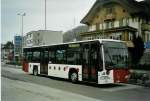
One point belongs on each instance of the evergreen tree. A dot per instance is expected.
(138, 50)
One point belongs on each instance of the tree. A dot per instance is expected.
(138, 50)
(8, 49)
(74, 33)
(9, 45)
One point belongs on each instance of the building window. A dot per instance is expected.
(130, 36)
(109, 24)
(116, 36)
(125, 22)
(147, 36)
(97, 26)
(92, 28)
(121, 22)
(100, 26)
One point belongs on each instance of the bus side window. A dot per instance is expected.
(61, 56)
(52, 56)
(36, 56)
(29, 56)
(70, 57)
(73, 57)
(24, 56)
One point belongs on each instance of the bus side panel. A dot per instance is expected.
(62, 70)
(121, 75)
(25, 67)
(31, 67)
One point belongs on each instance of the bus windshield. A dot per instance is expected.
(116, 54)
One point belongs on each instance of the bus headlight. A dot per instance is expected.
(127, 77)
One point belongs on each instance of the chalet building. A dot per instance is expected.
(118, 19)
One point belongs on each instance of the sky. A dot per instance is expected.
(62, 15)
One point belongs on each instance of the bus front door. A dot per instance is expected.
(89, 63)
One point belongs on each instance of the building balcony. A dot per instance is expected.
(110, 30)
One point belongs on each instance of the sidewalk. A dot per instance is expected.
(10, 65)
(13, 90)
(140, 77)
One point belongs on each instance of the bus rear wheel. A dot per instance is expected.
(74, 77)
(35, 71)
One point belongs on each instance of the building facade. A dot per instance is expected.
(42, 37)
(118, 19)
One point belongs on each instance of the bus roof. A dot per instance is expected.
(100, 40)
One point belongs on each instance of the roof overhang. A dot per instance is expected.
(132, 7)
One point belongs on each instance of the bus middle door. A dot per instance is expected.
(90, 62)
(44, 62)
(85, 62)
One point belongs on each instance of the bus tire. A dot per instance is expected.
(35, 71)
(74, 77)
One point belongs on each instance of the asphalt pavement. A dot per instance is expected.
(13, 90)
(20, 86)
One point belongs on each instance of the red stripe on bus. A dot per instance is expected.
(25, 67)
(120, 75)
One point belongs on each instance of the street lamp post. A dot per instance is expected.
(22, 15)
(45, 16)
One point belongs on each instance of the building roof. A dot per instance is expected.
(133, 7)
(42, 31)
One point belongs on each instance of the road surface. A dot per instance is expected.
(20, 86)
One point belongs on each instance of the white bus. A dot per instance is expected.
(101, 61)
